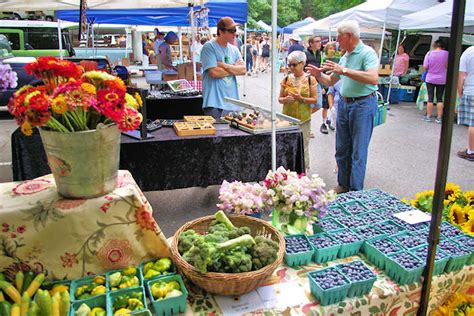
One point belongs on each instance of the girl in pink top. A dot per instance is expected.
(401, 62)
(436, 63)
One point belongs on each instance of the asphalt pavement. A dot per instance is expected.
(402, 159)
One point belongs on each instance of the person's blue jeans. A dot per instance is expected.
(355, 122)
(249, 63)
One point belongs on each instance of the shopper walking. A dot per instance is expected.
(298, 91)
(221, 63)
(358, 71)
(466, 107)
(435, 63)
(249, 64)
(265, 49)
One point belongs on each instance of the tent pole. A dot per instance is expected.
(274, 80)
(457, 25)
(393, 67)
(381, 42)
(245, 57)
(60, 40)
(93, 37)
(191, 12)
(180, 35)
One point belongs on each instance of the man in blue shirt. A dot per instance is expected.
(295, 40)
(358, 71)
(221, 63)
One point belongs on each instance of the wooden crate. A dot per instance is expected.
(193, 128)
(199, 118)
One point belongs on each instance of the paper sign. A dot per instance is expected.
(413, 217)
(282, 295)
(238, 305)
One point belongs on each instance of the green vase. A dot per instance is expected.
(289, 223)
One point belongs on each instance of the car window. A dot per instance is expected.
(41, 40)
(5, 48)
(421, 50)
(13, 39)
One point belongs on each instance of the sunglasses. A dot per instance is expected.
(231, 31)
(294, 65)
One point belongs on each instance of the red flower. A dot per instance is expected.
(21, 229)
(67, 204)
(105, 207)
(145, 219)
(5, 227)
(115, 254)
(130, 120)
(13, 235)
(31, 186)
(108, 198)
(69, 259)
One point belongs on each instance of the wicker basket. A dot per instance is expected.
(229, 283)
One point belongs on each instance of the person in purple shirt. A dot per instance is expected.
(435, 63)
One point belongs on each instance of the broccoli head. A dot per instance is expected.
(264, 252)
(204, 254)
(224, 227)
(186, 240)
(236, 260)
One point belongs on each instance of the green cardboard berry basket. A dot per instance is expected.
(359, 288)
(317, 225)
(374, 255)
(336, 211)
(346, 249)
(95, 301)
(329, 296)
(346, 206)
(322, 255)
(138, 274)
(399, 227)
(111, 296)
(142, 270)
(439, 264)
(464, 239)
(172, 305)
(400, 274)
(84, 281)
(396, 239)
(301, 258)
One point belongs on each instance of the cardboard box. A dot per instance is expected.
(385, 70)
(168, 77)
(181, 71)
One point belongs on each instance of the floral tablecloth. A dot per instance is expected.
(42, 231)
(386, 298)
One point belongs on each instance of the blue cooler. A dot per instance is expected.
(407, 93)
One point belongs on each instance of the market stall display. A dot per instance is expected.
(70, 238)
(194, 128)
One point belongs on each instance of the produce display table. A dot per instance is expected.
(168, 161)
(174, 107)
(71, 238)
(386, 297)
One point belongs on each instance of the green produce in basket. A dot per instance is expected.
(128, 302)
(83, 310)
(162, 289)
(226, 248)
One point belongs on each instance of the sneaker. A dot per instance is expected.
(340, 189)
(464, 155)
(438, 120)
(427, 119)
(328, 122)
(323, 129)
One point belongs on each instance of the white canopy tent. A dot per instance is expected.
(28, 5)
(438, 18)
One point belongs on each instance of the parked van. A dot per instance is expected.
(35, 38)
(417, 45)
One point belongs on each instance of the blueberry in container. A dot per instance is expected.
(389, 227)
(404, 267)
(441, 258)
(325, 247)
(468, 242)
(449, 231)
(351, 222)
(371, 217)
(408, 240)
(378, 249)
(298, 250)
(459, 255)
(328, 285)
(368, 232)
(326, 224)
(350, 242)
(354, 208)
(362, 278)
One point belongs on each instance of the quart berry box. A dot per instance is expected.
(296, 254)
(332, 294)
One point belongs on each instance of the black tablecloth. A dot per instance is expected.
(168, 162)
(173, 108)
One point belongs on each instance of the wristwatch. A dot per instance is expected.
(344, 70)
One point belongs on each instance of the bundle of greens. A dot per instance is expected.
(226, 248)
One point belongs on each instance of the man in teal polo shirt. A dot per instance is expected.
(358, 71)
